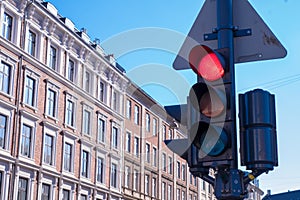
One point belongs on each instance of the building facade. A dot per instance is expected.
(72, 125)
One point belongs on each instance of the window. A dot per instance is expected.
(154, 158)
(29, 91)
(26, 140)
(147, 184)
(128, 142)
(84, 163)
(45, 192)
(203, 185)
(87, 81)
(169, 192)
(163, 191)
(70, 113)
(164, 162)
(66, 194)
(115, 101)
(48, 149)
(83, 197)
(115, 137)
(71, 71)
(52, 58)
(154, 127)
(86, 122)
(113, 175)
(147, 153)
(170, 134)
(67, 157)
(51, 104)
(183, 172)
(3, 130)
(178, 169)
(178, 194)
(164, 131)
(22, 189)
(1, 182)
(100, 169)
(102, 91)
(127, 176)
(136, 146)
(31, 45)
(170, 166)
(5, 78)
(101, 130)
(136, 115)
(128, 109)
(135, 180)
(154, 187)
(7, 26)
(147, 122)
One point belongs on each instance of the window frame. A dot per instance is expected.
(9, 80)
(54, 111)
(102, 91)
(53, 58)
(128, 142)
(31, 40)
(71, 67)
(101, 128)
(87, 111)
(35, 77)
(67, 121)
(7, 26)
(136, 114)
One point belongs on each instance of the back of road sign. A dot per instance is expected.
(262, 44)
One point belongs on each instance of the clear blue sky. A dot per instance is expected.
(123, 25)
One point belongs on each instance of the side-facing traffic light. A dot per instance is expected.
(211, 122)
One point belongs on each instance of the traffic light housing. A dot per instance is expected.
(212, 113)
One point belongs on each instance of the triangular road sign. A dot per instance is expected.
(262, 44)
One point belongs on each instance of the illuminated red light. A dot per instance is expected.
(206, 63)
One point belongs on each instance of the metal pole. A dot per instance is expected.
(225, 40)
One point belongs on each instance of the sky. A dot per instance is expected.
(145, 37)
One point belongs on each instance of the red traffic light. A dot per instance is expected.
(206, 63)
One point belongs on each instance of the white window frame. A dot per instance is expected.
(50, 57)
(101, 139)
(35, 77)
(100, 156)
(128, 142)
(89, 109)
(128, 108)
(127, 173)
(73, 99)
(136, 147)
(4, 60)
(4, 31)
(52, 131)
(31, 121)
(7, 111)
(137, 113)
(147, 184)
(33, 52)
(147, 122)
(55, 89)
(104, 98)
(147, 152)
(73, 78)
(70, 139)
(135, 183)
(154, 156)
(89, 151)
(88, 83)
(154, 126)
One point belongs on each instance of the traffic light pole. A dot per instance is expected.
(229, 181)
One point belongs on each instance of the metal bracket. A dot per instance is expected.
(237, 33)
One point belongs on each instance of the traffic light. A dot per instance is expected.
(258, 140)
(212, 112)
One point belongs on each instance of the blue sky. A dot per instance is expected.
(146, 35)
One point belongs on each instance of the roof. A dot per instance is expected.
(290, 195)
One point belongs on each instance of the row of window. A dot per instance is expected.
(167, 193)
(53, 62)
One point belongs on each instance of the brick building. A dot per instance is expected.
(72, 125)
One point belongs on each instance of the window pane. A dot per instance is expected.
(7, 26)
(86, 122)
(4, 77)
(26, 140)
(51, 103)
(31, 43)
(84, 163)
(29, 91)
(22, 189)
(115, 137)
(71, 70)
(113, 175)
(52, 58)
(100, 170)
(67, 157)
(3, 121)
(101, 130)
(66, 195)
(45, 192)
(48, 148)
(70, 113)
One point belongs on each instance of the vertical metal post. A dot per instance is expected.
(225, 40)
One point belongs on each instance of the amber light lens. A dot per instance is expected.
(211, 105)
